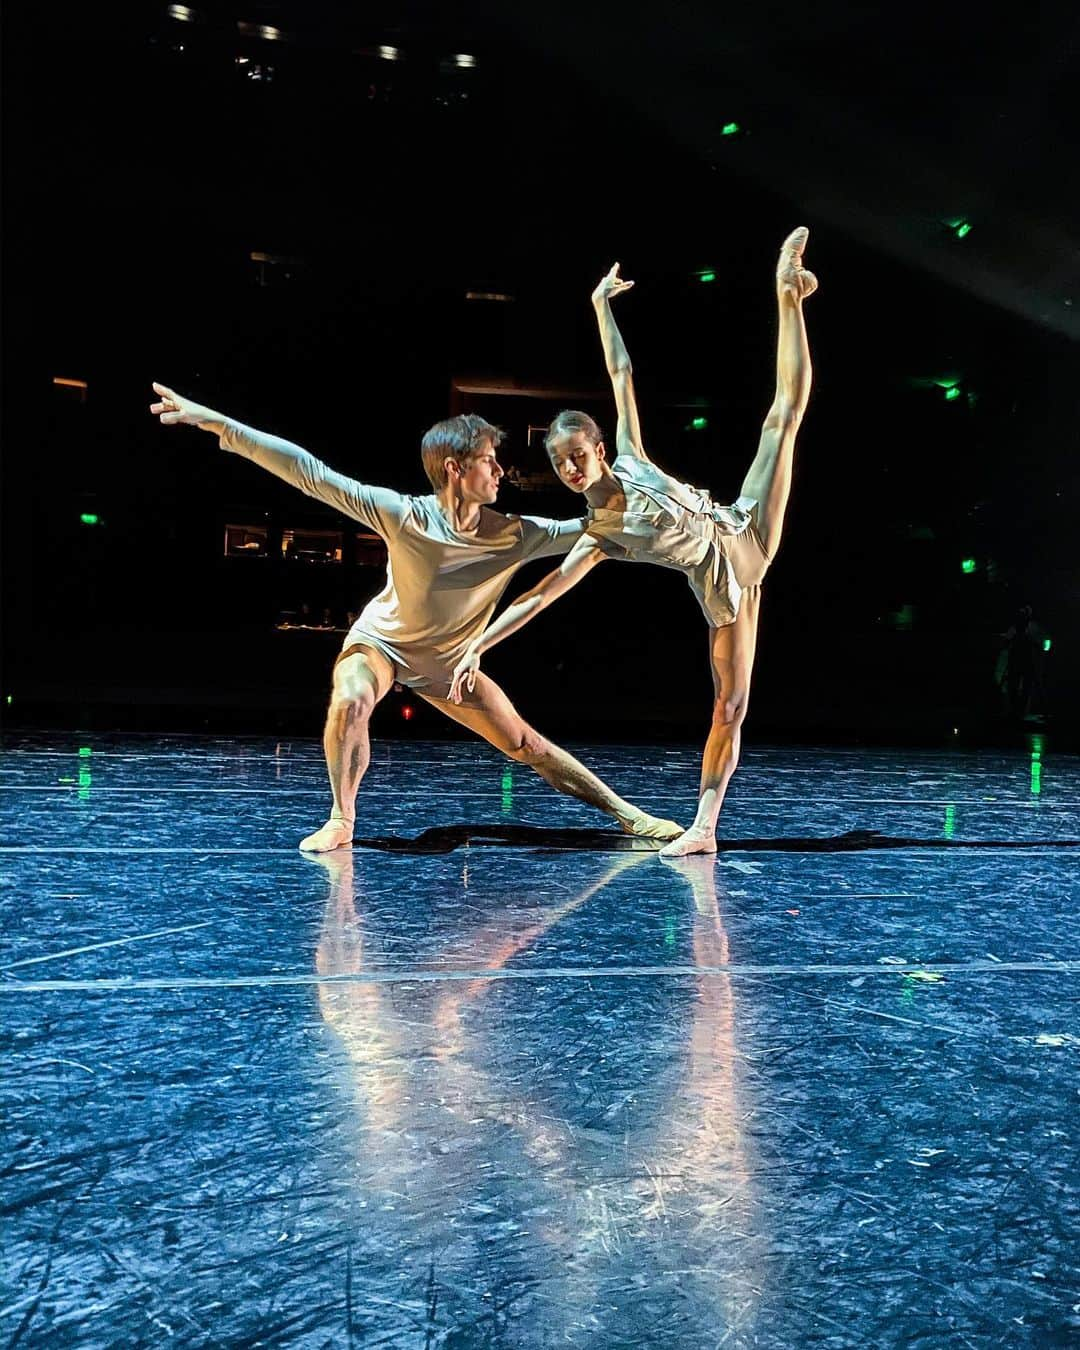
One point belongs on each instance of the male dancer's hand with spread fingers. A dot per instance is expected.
(175, 410)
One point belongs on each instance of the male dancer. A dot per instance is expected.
(450, 559)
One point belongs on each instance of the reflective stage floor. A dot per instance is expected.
(521, 1083)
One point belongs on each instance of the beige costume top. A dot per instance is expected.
(667, 522)
(441, 586)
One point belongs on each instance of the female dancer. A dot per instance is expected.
(640, 513)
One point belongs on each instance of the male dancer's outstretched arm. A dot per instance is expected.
(617, 359)
(378, 508)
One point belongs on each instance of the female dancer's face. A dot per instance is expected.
(577, 461)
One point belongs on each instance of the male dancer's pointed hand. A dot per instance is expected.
(175, 410)
(610, 285)
(465, 673)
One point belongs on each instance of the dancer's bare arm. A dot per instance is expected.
(617, 358)
(577, 564)
(381, 509)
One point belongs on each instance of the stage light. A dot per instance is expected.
(707, 275)
(729, 129)
(699, 423)
(1046, 647)
(952, 394)
(88, 518)
(960, 226)
(9, 700)
(407, 711)
(464, 61)
(270, 33)
(389, 53)
(967, 566)
(181, 13)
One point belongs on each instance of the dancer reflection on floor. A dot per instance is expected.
(643, 1173)
(639, 513)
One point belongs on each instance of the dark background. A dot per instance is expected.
(147, 160)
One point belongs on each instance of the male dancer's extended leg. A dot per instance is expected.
(362, 676)
(488, 712)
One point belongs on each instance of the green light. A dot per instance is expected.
(963, 230)
(729, 129)
(10, 700)
(952, 394)
(1046, 648)
(85, 752)
(967, 566)
(507, 792)
(1036, 777)
(950, 821)
(706, 275)
(669, 931)
(88, 518)
(700, 423)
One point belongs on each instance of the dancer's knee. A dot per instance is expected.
(527, 747)
(353, 704)
(730, 709)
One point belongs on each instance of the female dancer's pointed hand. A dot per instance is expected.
(610, 285)
(464, 675)
(173, 410)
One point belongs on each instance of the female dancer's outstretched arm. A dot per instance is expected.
(617, 358)
(577, 564)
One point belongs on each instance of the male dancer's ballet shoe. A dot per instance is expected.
(644, 826)
(692, 841)
(334, 834)
(791, 277)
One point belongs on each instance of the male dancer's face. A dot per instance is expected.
(480, 476)
(578, 462)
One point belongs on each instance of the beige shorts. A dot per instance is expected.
(418, 668)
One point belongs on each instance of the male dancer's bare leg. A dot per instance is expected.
(768, 483)
(362, 676)
(489, 713)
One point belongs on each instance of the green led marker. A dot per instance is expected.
(88, 518)
(951, 394)
(967, 566)
(706, 275)
(700, 423)
(729, 129)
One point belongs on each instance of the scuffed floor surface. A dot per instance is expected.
(528, 1085)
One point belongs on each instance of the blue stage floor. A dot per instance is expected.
(528, 1085)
